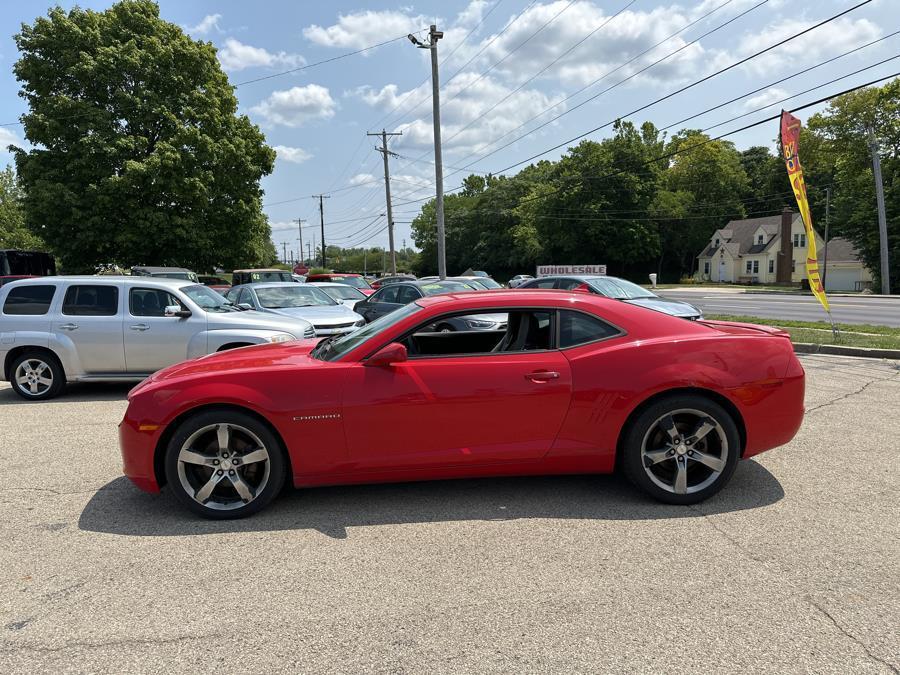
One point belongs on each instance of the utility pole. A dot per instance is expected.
(300, 222)
(433, 36)
(309, 251)
(322, 221)
(827, 223)
(882, 217)
(284, 251)
(387, 190)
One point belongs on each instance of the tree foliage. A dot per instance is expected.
(138, 154)
(13, 233)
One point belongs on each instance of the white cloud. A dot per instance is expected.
(9, 137)
(209, 23)
(293, 155)
(235, 55)
(361, 29)
(361, 178)
(296, 106)
(765, 98)
(284, 226)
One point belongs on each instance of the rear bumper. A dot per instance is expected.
(137, 444)
(775, 419)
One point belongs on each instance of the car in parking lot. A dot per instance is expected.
(303, 301)
(519, 279)
(166, 273)
(216, 283)
(255, 276)
(617, 289)
(55, 330)
(575, 383)
(388, 280)
(356, 280)
(392, 297)
(342, 293)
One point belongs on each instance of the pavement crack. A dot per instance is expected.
(50, 490)
(850, 394)
(850, 635)
(125, 642)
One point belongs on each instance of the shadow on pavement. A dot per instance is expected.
(78, 392)
(120, 508)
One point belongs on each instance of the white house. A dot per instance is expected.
(747, 251)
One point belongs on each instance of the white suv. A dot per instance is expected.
(59, 329)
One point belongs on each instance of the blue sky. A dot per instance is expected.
(515, 65)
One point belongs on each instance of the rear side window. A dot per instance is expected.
(151, 301)
(91, 301)
(543, 283)
(29, 300)
(407, 295)
(388, 294)
(576, 328)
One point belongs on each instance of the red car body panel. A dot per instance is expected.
(479, 415)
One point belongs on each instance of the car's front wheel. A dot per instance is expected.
(681, 449)
(224, 464)
(37, 376)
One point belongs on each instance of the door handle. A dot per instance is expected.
(140, 326)
(69, 326)
(542, 376)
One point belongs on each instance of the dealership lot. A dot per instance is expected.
(794, 567)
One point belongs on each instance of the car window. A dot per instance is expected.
(542, 283)
(151, 301)
(445, 287)
(331, 349)
(29, 300)
(569, 284)
(295, 295)
(487, 282)
(231, 294)
(356, 282)
(620, 289)
(244, 297)
(482, 332)
(344, 293)
(85, 300)
(407, 294)
(388, 294)
(207, 299)
(577, 328)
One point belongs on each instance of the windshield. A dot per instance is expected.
(330, 349)
(620, 289)
(295, 295)
(271, 276)
(487, 282)
(344, 293)
(184, 276)
(445, 287)
(356, 282)
(208, 299)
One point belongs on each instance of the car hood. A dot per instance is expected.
(323, 315)
(254, 357)
(673, 307)
(254, 320)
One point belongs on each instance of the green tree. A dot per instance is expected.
(13, 233)
(138, 153)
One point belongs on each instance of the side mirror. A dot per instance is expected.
(582, 289)
(176, 311)
(244, 306)
(387, 355)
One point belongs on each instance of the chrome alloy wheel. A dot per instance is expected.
(223, 466)
(684, 451)
(34, 377)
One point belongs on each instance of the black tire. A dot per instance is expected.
(186, 479)
(43, 362)
(719, 448)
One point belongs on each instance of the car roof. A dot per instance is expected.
(275, 284)
(335, 274)
(116, 278)
(261, 269)
(151, 268)
(329, 284)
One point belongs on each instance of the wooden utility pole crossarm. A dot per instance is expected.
(387, 190)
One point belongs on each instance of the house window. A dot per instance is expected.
(800, 240)
(749, 267)
(756, 267)
(759, 239)
(717, 242)
(706, 267)
(771, 267)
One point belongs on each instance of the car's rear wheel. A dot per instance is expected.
(37, 376)
(681, 449)
(224, 464)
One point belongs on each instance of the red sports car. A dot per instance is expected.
(574, 383)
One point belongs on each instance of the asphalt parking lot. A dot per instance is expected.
(795, 567)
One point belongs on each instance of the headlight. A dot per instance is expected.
(281, 337)
(478, 323)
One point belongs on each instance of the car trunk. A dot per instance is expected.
(736, 328)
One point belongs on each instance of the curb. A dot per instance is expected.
(830, 295)
(840, 350)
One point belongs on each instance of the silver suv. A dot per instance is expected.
(59, 329)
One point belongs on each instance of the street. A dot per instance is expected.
(794, 567)
(859, 309)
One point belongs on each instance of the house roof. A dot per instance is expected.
(839, 250)
(742, 232)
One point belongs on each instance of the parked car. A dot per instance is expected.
(342, 293)
(478, 283)
(67, 329)
(577, 383)
(304, 301)
(165, 273)
(617, 289)
(255, 276)
(355, 280)
(385, 281)
(216, 283)
(519, 279)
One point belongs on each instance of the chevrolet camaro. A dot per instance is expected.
(574, 383)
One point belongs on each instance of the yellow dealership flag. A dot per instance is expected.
(790, 144)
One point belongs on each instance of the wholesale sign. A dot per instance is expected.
(550, 270)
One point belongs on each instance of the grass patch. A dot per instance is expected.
(819, 332)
